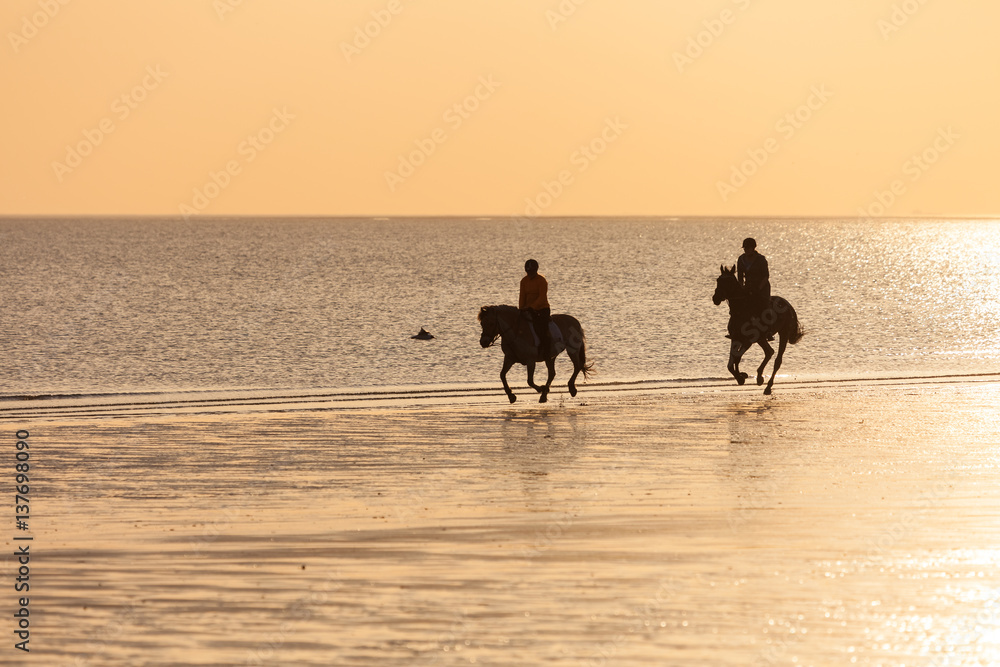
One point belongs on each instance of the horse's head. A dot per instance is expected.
(491, 327)
(726, 285)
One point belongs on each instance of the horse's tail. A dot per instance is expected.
(575, 342)
(584, 366)
(794, 330)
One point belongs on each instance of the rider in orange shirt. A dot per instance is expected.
(534, 304)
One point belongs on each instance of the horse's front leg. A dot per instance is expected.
(507, 363)
(736, 351)
(768, 352)
(551, 365)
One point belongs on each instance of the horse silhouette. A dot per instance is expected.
(516, 341)
(749, 324)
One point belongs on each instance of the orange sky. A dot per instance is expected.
(519, 107)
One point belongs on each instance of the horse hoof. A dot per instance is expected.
(767, 391)
(572, 391)
(544, 398)
(760, 380)
(512, 398)
(741, 379)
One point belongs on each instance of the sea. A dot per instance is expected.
(124, 305)
(230, 450)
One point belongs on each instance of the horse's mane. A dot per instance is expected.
(501, 308)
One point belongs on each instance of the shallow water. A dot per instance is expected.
(139, 305)
(837, 523)
(240, 457)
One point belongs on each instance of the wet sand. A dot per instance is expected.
(833, 523)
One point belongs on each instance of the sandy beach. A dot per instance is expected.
(833, 523)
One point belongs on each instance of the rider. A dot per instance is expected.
(534, 304)
(751, 271)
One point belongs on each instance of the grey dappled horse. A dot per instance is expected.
(504, 322)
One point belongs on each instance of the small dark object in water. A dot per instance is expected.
(423, 335)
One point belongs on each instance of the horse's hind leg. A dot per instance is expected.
(551, 365)
(573, 336)
(768, 353)
(577, 367)
(507, 363)
(782, 344)
(531, 377)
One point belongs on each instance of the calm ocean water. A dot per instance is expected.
(124, 305)
(689, 525)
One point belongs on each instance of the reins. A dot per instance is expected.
(500, 328)
(496, 319)
(503, 329)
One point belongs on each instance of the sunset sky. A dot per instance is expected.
(500, 108)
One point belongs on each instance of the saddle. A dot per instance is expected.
(555, 337)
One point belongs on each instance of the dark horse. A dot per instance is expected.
(518, 347)
(748, 326)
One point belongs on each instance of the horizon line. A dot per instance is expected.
(484, 217)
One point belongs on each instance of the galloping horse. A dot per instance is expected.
(746, 326)
(518, 347)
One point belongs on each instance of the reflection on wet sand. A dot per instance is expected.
(825, 526)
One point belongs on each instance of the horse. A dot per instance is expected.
(518, 347)
(748, 326)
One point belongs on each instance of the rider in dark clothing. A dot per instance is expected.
(533, 303)
(751, 270)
